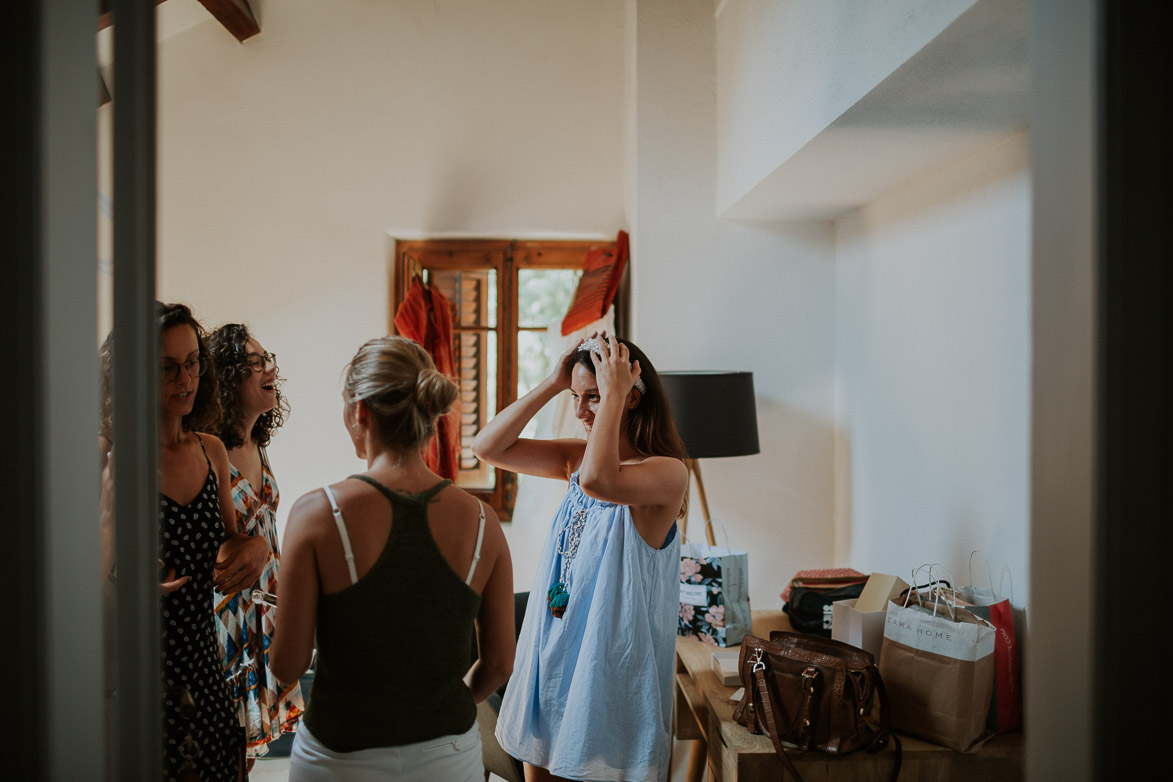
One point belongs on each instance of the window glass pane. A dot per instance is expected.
(491, 374)
(544, 295)
(533, 364)
(533, 360)
(491, 299)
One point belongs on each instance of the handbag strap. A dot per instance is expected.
(810, 678)
(765, 714)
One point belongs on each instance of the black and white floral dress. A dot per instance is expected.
(200, 729)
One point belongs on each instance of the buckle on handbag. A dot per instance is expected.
(758, 665)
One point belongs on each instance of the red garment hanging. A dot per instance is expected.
(601, 273)
(426, 317)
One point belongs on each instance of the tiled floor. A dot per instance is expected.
(270, 770)
(277, 770)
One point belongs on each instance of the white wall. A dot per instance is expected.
(289, 163)
(789, 68)
(711, 294)
(933, 342)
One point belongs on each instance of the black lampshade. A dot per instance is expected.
(714, 412)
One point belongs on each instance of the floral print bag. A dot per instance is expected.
(714, 594)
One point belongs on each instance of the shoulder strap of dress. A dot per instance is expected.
(200, 440)
(342, 534)
(476, 553)
(264, 458)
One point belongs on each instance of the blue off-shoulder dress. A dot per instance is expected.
(591, 692)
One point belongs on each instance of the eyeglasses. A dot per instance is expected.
(257, 362)
(195, 367)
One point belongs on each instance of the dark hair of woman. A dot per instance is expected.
(229, 349)
(205, 411)
(650, 426)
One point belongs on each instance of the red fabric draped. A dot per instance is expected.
(426, 317)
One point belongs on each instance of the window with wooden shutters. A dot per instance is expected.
(503, 294)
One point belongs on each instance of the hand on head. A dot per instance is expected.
(614, 370)
(565, 368)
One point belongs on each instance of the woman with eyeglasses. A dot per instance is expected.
(251, 410)
(201, 547)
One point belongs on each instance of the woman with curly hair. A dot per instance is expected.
(251, 410)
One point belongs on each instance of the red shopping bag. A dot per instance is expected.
(1006, 703)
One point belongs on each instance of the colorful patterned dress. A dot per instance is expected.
(245, 625)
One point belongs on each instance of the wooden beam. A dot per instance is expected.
(236, 16)
(106, 16)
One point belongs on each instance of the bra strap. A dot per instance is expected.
(342, 534)
(476, 554)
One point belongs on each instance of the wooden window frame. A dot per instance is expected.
(507, 257)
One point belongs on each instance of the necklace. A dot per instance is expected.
(559, 594)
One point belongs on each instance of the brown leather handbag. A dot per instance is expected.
(815, 694)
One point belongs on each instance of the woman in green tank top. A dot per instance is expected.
(388, 572)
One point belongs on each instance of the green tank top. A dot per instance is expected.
(393, 648)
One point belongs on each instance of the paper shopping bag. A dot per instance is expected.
(1006, 706)
(996, 607)
(1006, 702)
(937, 661)
(714, 594)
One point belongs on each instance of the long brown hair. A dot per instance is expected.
(650, 428)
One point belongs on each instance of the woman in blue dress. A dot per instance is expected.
(591, 692)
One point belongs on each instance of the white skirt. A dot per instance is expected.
(455, 757)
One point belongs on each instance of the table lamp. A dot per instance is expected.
(716, 416)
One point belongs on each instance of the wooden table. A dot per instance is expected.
(704, 714)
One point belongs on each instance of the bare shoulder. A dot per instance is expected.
(460, 513)
(308, 516)
(214, 446)
(216, 451)
(459, 503)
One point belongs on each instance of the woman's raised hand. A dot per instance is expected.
(613, 368)
(561, 375)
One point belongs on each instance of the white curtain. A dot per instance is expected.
(538, 498)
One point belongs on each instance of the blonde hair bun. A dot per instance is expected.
(401, 387)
